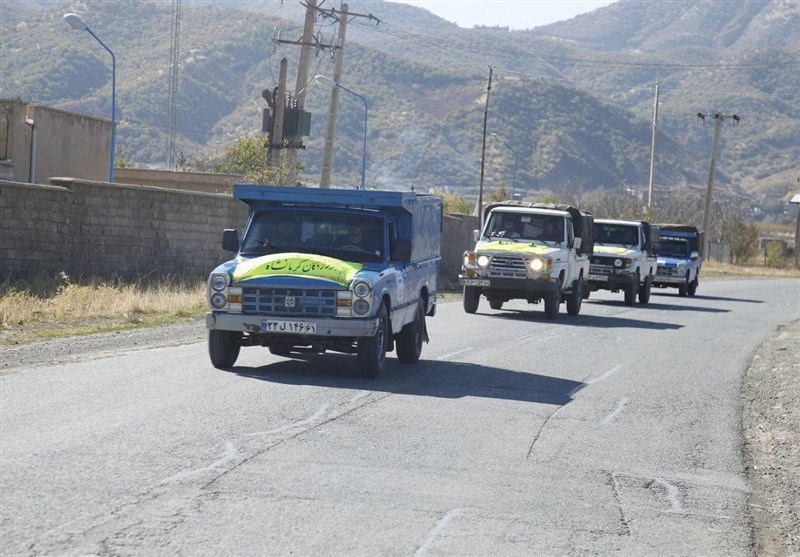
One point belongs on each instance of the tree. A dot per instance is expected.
(248, 158)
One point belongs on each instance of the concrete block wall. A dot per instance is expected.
(89, 228)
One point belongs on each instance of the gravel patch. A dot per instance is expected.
(771, 423)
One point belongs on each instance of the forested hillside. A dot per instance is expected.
(573, 99)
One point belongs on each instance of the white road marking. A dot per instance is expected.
(617, 410)
(672, 496)
(294, 425)
(451, 354)
(426, 545)
(611, 371)
(229, 455)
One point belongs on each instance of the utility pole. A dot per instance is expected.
(718, 118)
(327, 160)
(653, 151)
(483, 149)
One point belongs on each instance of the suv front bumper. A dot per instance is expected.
(523, 285)
(610, 282)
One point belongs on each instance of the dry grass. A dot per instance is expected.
(47, 307)
(714, 269)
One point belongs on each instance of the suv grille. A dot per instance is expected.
(289, 301)
(508, 266)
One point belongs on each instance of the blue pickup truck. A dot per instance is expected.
(349, 271)
(679, 260)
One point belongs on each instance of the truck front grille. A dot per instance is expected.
(289, 301)
(504, 266)
(668, 271)
(600, 270)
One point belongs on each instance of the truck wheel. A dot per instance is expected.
(472, 296)
(683, 289)
(371, 351)
(551, 302)
(409, 341)
(644, 291)
(575, 299)
(496, 304)
(223, 347)
(691, 288)
(631, 290)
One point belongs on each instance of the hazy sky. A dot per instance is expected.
(515, 14)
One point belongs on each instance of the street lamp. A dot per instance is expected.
(331, 83)
(514, 179)
(75, 21)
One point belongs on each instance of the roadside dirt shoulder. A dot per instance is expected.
(771, 424)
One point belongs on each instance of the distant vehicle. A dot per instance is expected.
(679, 259)
(316, 270)
(535, 252)
(624, 258)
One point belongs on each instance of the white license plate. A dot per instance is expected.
(291, 327)
(602, 278)
(474, 282)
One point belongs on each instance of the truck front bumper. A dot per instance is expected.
(325, 327)
(659, 280)
(521, 285)
(610, 282)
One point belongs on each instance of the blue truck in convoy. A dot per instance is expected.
(679, 260)
(350, 271)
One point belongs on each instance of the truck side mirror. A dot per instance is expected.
(230, 240)
(402, 250)
(694, 256)
(476, 235)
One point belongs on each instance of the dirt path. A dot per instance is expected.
(771, 423)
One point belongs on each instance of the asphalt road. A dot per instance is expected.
(615, 431)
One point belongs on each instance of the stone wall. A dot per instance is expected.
(100, 229)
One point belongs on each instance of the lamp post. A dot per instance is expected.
(331, 83)
(75, 21)
(514, 179)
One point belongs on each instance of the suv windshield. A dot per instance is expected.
(624, 234)
(341, 235)
(525, 227)
(673, 248)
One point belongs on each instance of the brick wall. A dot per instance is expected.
(101, 229)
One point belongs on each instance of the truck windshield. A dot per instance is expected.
(525, 227)
(623, 234)
(341, 235)
(670, 247)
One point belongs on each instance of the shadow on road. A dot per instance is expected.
(670, 307)
(715, 298)
(433, 378)
(608, 321)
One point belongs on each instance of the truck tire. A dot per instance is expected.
(409, 341)
(472, 296)
(551, 302)
(683, 289)
(691, 288)
(575, 298)
(630, 292)
(223, 348)
(371, 351)
(496, 304)
(644, 291)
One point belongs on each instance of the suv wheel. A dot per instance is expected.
(371, 351)
(644, 291)
(472, 296)
(223, 347)
(409, 341)
(575, 298)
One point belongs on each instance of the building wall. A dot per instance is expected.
(65, 144)
(190, 181)
(101, 229)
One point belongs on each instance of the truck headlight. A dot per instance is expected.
(618, 263)
(536, 264)
(361, 306)
(219, 282)
(361, 289)
(218, 301)
(483, 261)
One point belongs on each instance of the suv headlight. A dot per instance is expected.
(540, 264)
(218, 300)
(483, 261)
